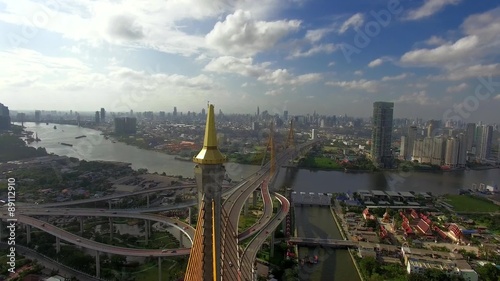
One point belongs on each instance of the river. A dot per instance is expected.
(96, 147)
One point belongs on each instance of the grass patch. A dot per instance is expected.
(468, 203)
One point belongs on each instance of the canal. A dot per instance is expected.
(334, 264)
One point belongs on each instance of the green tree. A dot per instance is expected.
(488, 272)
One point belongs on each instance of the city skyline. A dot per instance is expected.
(296, 55)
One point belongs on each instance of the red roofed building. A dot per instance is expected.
(414, 214)
(424, 228)
(455, 232)
(367, 215)
(440, 233)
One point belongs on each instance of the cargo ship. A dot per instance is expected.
(66, 144)
(82, 136)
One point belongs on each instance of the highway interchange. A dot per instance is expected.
(235, 199)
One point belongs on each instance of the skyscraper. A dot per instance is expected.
(4, 117)
(382, 134)
(470, 135)
(103, 115)
(285, 115)
(175, 111)
(485, 136)
(97, 117)
(38, 116)
(407, 142)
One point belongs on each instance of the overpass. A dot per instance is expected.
(321, 242)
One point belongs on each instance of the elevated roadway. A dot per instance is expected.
(334, 243)
(99, 247)
(185, 228)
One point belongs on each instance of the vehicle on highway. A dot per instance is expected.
(164, 251)
(43, 224)
(173, 252)
(78, 240)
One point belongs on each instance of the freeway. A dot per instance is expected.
(185, 228)
(250, 252)
(266, 216)
(100, 247)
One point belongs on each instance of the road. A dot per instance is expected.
(266, 216)
(85, 212)
(250, 252)
(90, 244)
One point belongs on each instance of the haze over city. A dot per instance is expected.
(332, 57)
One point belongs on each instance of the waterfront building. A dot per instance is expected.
(438, 150)
(97, 119)
(103, 115)
(125, 125)
(38, 116)
(381, 152)
(484, 138)
(462, 150)
(451, 158)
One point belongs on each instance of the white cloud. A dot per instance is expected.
(241, 34)
(322, 48)
(457, 88)
(315, 35)
(358, 72)
(331, 64)
(275, 92)
(429, 8)
(470, 72)
(283, 77)
(354, 21)
(435, 41)
(363, 84)
(241, 66)
(481, 39)
(419, 97)
(397, 77)
(497, 97)
(376, 62)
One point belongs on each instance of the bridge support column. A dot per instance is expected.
(254, 197)
(159, 269)
(97, 264)
(271, 254)
(245, 208)
(146, 230)
(147, 200)
(181, 239)
(58, 244)
(109, 204)
(28, 234)
(111, 230)
(189, 215)
(81, 226)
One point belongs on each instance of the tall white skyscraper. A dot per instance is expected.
(485, 135)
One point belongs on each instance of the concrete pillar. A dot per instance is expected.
(245, 208)
(28, 233)
(109, 204)
(181, 239)
(111, 228)
(271, 254)
(58, 244)
(254, 196)
(146, 230)
(81, 226)
(97, 264)
(159, 269)
(189, 215)
(147, 200)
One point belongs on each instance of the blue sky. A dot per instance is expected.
(433, 58)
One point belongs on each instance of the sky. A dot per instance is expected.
(433, 58)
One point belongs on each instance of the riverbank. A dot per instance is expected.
(342, 231)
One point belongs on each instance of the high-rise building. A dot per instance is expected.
(485, 136)
(462, 150)
(162, 114)
(285, 115)
(125, 125)
(407, 142)
(258, 111)
(203, 112)
(382, 134)
(470, 135)
(4, 117)
(103, 115)
(175, 111)
(438, 150)
(313, 134)
(451, 157)
(38, 116)
(97, 118)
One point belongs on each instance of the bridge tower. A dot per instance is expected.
(290, 142)
(205, 259)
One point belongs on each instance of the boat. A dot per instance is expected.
(36, 137)
(55, 127)
(82, 136)
(66, 144)
(47, 123)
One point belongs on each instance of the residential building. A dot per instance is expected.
(381, 152)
